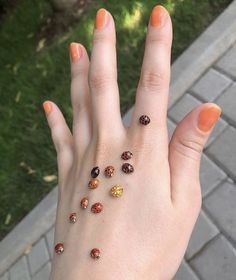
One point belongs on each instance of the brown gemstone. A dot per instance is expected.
(95, 172)
(93, 183)
(59, 248)
(126, 155)
(95, 253)
(127, 168)
(109, 171)
(97, 207)
(84, 202)
(73, 218)
(144, 119)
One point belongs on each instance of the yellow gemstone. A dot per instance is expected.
(116, 191)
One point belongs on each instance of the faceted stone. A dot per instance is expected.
(127, 168)
(97, 207)
(109, 171)
(84, 202)
(95, 172)
(93, 183)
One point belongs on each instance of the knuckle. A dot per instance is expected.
(100, 80)
(162, 40)
(153, 81)
(190, 148)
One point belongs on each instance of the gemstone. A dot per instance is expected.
(97, 207)
(116, 191)
(95, 172)
(95, 253)
(144, 120)
(126, 155)
(127, 168)
(84, 202)
(93, 183)
(73, 218)
(109, 171)
(59, 248)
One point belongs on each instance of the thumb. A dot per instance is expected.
(185, 150)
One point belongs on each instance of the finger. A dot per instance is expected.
(153, 87)
(103, 79)
(61, 137)
(80, 97)
(186, 148)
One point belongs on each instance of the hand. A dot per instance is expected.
(144, 233)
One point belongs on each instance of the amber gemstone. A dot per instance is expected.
(59, 248)
(84, 202)
(93, 183)
(95, 253)
(144, 120)
(97, 207)
(116, 191)
(73, 218)
(95, 172)
(109, 171)
(127, 168)
(126, 155)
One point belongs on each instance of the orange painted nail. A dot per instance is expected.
(208, 117)
(47, 106)
(158, 16)
(75, 51)
(101, 18)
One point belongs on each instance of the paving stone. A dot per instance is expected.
(227, 102)
(50, 241)
(203, 232)
(38, 256)
(4, 277)
(19, 270)
(221, 205)
(227, 62)
(43, 273)
(223, 150)
(217, 261)
(211, 85)
(210, 175)
(185, 273)
(182, 107)
(171, 127)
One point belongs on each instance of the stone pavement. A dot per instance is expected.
(211, 254)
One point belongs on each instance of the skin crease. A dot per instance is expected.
(144, 233)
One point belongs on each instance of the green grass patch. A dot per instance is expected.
(33, 70)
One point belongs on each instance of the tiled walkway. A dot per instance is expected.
(211, 253)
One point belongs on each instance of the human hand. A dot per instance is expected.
(144, 233)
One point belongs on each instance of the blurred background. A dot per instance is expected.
(34, 60)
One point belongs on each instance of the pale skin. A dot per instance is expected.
(144, 233)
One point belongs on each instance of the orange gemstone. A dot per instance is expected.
(84, 202)
(109, 171)
(93, 183)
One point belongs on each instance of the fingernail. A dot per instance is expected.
(158, 16)
(47, 106)
(208, 117)
(75, 52)
(101, 18)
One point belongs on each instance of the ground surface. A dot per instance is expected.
(35, 66)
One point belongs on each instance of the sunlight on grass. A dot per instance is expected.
(170, 5)
(131, 20)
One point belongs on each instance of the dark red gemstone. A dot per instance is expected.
(95, 253)
(127, 168)
(73, 218)
(126, 155)
(144, 120)
(97, 207)
(59, 248)
(95, 172)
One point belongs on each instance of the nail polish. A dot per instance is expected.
(101, 18)
(75, 51)
(208, 117)
(158, 16)
(47, 106)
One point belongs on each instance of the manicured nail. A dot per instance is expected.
(75, 51)
(47, 106)
(208, 117)
(158, 16)
(101, 18)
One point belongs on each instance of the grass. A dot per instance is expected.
(34, 70)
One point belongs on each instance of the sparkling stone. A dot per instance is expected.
(95, 172)
(97, 207)
(144, 119)
(93, 183)
(127, 168)
(73, 218)
(84, 202)
(126, 155)
(95, 253)
(116, 191)
(59, 248)
(109, 171)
